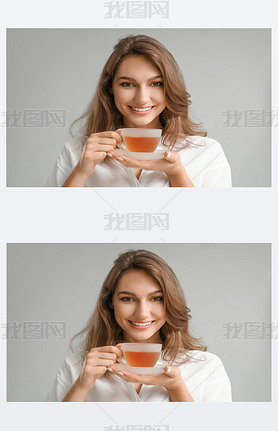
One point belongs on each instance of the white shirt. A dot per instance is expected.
(203, 374)
(203, 160)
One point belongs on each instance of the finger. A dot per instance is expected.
(119, 352)
(119, 140)
(99, 362)
(119, 131)
(110, 349)
(107, 134)
(119, 347)
(171, 371)
(136, 163)
(171, 157)
(102, 147)
(128, 377)
(104, 355)
(117, 157)
(127, 161)
(137, 378)
(118, 135)
(111, 143)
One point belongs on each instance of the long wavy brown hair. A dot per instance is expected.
(102, 328)
(102, 113)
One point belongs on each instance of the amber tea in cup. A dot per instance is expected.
(140, 354)
(141, 140)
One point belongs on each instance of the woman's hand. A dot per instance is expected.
(95, 365)
(97, 146)
(171, 164)
(171, 379)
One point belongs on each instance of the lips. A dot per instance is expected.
(140, 109)
(141, 325)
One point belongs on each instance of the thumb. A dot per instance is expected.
(171, 157)
(119, 140)
(171, 372)
(119, 346)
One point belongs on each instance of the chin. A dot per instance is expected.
(140, 122)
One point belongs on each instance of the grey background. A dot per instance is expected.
(224, 69)
(60, 282)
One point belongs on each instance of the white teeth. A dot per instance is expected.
(141, 324)
(141, 110)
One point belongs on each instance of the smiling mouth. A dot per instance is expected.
(140, 110)
(140, 325)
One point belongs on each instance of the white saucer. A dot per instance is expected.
(157, 369)
(159, 154)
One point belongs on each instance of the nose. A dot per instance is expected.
(142, 311)
(141, 95)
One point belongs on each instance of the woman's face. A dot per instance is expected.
(138, 92)
(138, 307)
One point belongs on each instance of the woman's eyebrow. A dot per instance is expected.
(125, 292)
(134, 80)
(133, 294)
(155, 292)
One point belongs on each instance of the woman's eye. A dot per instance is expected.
(157, 84)
(126, 84)
(157, 298)
(126, 299)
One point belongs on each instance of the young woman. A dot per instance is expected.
(141, 86)
(141, 300)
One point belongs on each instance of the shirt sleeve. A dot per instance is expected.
(61, 384)
(217, 386)
(61, 169)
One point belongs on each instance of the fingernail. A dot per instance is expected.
(122, 374)
(168, 156)
(168, 370)
(109, 155)
(110, 369)
(120, 158)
